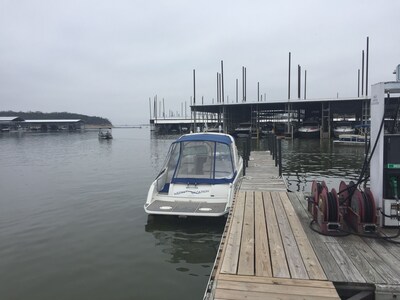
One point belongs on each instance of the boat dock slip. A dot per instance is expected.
(264, 252)
(269, 251)
(261, 174)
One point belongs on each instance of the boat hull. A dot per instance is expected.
(338, 131)
(187, 200)
(351, 140)
(309, 134)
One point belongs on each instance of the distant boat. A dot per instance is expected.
(105, 134)
(343, 128)
(217, 129)
(243, 130)
(200, 177)
(350, 139)
(309, 130)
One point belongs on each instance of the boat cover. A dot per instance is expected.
(201, 159)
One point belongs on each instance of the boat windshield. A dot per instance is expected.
(200, 162)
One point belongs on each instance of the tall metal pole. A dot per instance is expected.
(358, 84)
(163, 108)
(289, 75)
(222, 81)
(362, 74)
(298, 80)
(366, 68)
(243, 84)
(150, 106)
(258, 91)
(155, 107)
(237, 90)
(220, 87)
(194, 100)
(305, 84)
(217, 87)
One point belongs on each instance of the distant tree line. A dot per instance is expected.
(36, 115)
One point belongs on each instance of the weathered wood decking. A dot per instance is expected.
(268, 250)
(264, 252)
(354, 260)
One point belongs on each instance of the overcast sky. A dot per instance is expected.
(106, 58)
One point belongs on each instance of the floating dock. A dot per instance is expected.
(269, 251)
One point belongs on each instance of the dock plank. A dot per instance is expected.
(350, 271)
(293, 256)
(384, 254)
(278, 256)
(330, 266)
(278, 281)
(314, 269)
(293, 289)
(362, 258)
(262, 254)
(246, 256)
(230, 262)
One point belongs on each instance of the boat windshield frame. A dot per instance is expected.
(209, 155)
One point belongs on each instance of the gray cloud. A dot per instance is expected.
(108, 57)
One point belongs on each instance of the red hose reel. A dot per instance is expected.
(335, 210)
(325, 207)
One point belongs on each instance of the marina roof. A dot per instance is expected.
(54, 121)
(173, 121)
(285, 101)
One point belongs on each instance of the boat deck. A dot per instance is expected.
(186, 207)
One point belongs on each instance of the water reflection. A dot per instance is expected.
(308, 160)
(187, 241)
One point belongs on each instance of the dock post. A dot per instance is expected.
(276, 150)
(274, 147)
(248, 148)
(280, 156)
(245, 157)
(271, 145)
(244, 165)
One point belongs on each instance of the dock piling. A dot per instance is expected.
(280, 156)
(276, 150)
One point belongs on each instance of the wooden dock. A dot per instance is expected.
(268, 250)
(353, 262)
(264, 252)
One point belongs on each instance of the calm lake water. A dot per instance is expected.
(72, 224)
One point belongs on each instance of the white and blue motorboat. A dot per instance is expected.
(200, 176)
